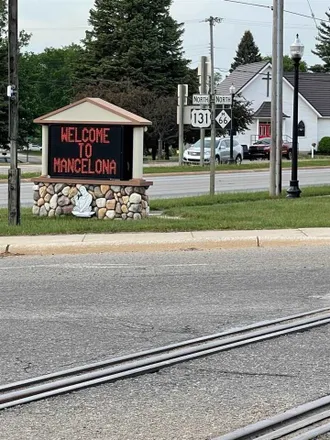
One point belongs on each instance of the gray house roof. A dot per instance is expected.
(264, 111)
(240, 77)
(315, 88)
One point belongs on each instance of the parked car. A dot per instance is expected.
(222, 151)
(6, 159)
(246, 151)
(261, 149)
(32, 147)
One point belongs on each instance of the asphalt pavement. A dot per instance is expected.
(197, 184)
(64, 311)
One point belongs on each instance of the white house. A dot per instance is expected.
(253, 83)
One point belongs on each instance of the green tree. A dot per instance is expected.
(322, 47)
(49, 78)
(247, 51)
(137, 41)
(242, 114)
(288, 65)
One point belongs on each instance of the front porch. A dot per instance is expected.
(262, 119)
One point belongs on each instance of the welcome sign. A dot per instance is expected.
(85, 151)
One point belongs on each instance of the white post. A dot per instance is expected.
(257, 135)
(138, 135)
(44, 155)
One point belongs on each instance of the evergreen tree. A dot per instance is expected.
(247, 51)
(322, 48)
(137, 41)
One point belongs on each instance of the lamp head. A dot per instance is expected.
(232, 89)
(297, 49)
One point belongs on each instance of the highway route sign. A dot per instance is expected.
(222, 99)
(223, 119)
(200, 118)
(201, 99)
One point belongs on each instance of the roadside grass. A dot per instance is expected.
(23, 176)
(235, 211)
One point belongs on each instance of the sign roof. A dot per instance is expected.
(92, 111)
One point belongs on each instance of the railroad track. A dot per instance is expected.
(153, 360)
(303, 422)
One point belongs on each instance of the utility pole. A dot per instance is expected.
(203, 91)
(212, 21)
(279, 103)
(14, 215)
(181, 103)
(272, 158)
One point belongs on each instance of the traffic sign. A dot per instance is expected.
(200, 118)
(201, 99)
(222, 99)
(223, 119)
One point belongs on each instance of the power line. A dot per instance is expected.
(261, 5)
(312, 14)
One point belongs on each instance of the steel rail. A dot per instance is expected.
(286, 423)
(145, 366)
(312, 434)
(134, 356)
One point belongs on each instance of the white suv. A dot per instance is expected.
(222, 151)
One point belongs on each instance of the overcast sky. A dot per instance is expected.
(60, 22)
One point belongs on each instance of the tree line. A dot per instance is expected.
(133, 57)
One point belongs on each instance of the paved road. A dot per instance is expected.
(63, 311)
(180, 186)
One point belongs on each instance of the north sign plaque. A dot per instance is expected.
(90, 151)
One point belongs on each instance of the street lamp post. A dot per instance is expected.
(232, 91)
(296, 52)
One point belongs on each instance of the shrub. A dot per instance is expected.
(324, 145)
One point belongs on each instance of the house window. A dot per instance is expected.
(301, 129)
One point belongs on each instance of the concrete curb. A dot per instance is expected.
(11, 246)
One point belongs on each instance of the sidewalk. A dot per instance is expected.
(153, 242)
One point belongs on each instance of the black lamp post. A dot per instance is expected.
(232, 91)
(296, 51)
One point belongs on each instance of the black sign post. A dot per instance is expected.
(90, 151)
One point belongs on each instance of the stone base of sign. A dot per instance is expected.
(111, 199)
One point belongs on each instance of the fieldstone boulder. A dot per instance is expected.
(101, 213)
(35, 210)
(66, 190)
(43, 211)
(63, 201)
(53, 201)
(59, 187)
(111, 214)
(100, 203)
(135, 207)
(110, 204)
(98, 192)
(104, 189)
(42, 192)
(128, 190)
(135, 198)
